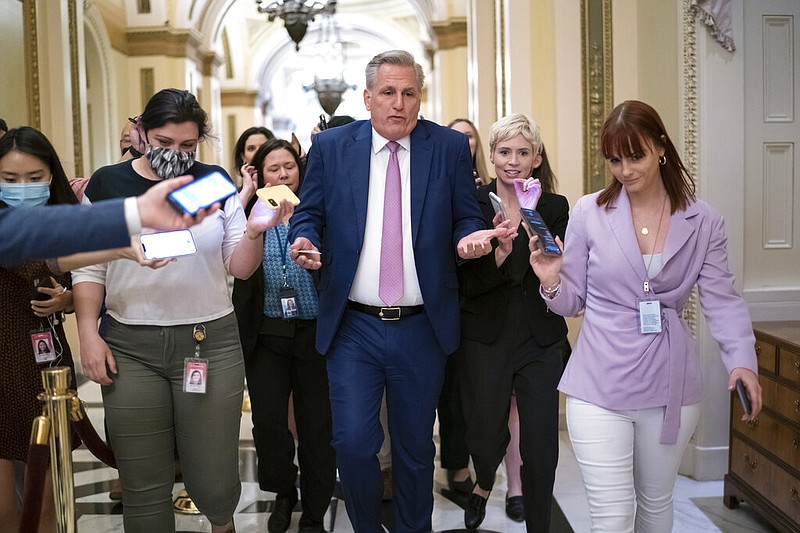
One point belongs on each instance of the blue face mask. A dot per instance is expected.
(25, 194)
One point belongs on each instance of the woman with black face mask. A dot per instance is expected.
(163, 325)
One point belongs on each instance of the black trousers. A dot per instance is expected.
(281, 365)
(453, 449)
(489, 375)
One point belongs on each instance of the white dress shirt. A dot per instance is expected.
(365, 284)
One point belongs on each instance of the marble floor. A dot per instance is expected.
(698, 506)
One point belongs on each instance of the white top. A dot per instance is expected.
(365, 284)
(191, 289)
(653, 264)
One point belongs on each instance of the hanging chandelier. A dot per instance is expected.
(329, 82)
(296, 14)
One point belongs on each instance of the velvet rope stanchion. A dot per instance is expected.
(35, 475)
(51, 438)
(57, 396)
(89, 435)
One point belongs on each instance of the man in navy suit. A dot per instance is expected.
(390, 204)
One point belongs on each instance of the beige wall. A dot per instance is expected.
(659, 61)
(452, 77)
(543, 87)
(13, 102)
(646, 56)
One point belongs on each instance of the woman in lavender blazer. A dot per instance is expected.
(634, 384)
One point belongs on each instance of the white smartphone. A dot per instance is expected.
(498, 205)
(166, 244)
(201, 193)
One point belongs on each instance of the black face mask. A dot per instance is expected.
(134, 152)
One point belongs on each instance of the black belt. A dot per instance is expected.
(386, 313)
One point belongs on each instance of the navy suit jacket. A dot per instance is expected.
(57, 230)
(333, 214)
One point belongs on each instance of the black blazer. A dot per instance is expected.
(484, 289)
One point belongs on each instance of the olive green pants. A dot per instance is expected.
(148, 414)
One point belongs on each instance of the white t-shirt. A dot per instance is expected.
(193, 288)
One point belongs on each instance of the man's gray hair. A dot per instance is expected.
(401, 58)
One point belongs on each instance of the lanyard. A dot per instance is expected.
(282, 246)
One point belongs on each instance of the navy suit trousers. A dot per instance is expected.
(403, 357)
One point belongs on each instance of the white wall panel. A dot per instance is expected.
(778, 195)
(778, 39)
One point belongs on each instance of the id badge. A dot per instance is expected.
(288, 298)
(43, 349)
(195, 373)
(649, 316)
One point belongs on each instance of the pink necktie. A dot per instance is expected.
(390, 286)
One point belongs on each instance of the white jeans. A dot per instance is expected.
(625, 469)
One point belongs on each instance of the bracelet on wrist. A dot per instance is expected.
(258, 235)
(551, 291)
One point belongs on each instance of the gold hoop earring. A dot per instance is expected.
(662, 160)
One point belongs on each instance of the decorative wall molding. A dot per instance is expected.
(238, 97)
(31, 40)
(597, 80)
(95, 28)
(75, 80)
(689, 107)
(168, 42)
(147, 85)
(451, 33)
(501, 61)
(210, 61)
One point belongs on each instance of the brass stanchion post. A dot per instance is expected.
(57, 398)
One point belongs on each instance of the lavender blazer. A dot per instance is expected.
(613, 365)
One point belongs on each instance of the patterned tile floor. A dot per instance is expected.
(698, 506)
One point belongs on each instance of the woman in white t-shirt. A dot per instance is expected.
(158, 323)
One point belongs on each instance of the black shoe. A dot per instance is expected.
(464, 486)
(281, 516)
(475, 511)
(308, 525)
(515, 509)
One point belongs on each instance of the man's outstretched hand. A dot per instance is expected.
(479, 243)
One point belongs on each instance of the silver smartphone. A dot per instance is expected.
(167, 244)
(498, 206)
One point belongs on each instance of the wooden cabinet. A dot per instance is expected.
(764, 455)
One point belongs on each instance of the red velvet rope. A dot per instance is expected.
(92, 440)
(38, 461)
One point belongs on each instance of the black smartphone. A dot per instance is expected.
(41, 282)
(533, 220)
(323, 123)
(202, 193)
(744, 397)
